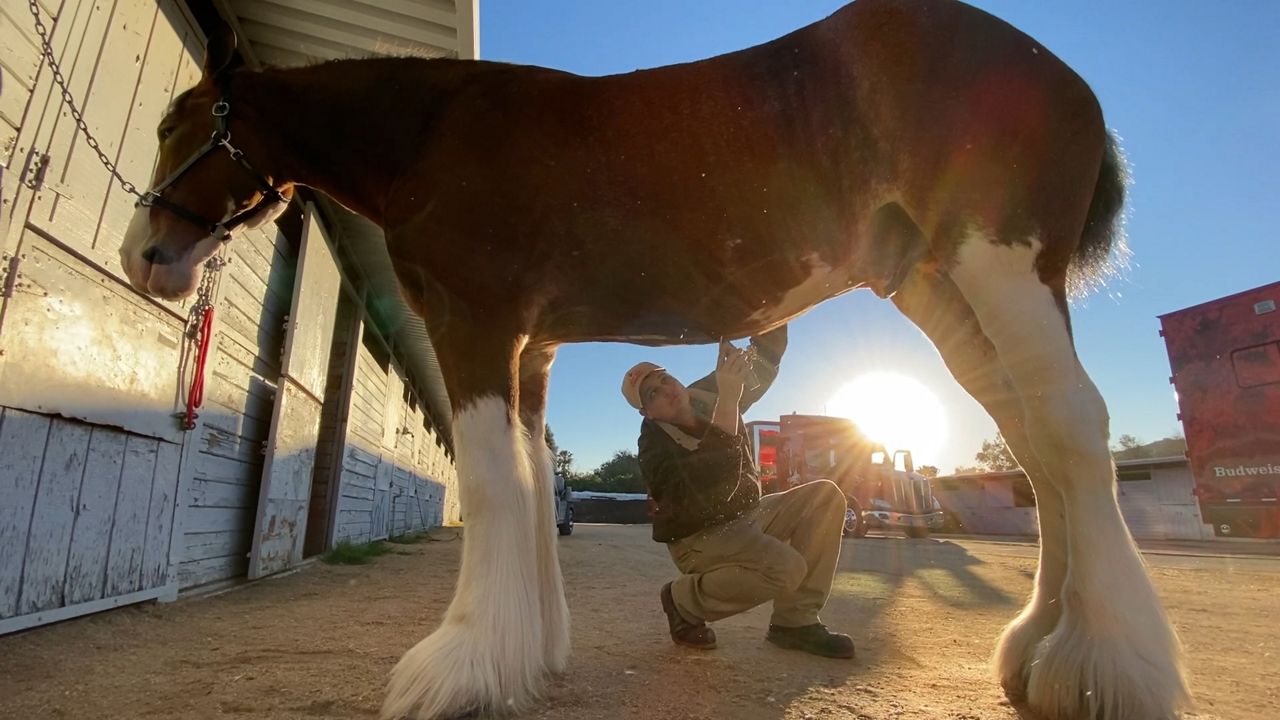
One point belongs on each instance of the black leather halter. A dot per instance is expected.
(221, 138)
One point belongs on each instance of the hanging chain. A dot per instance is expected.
(71, 103)
(206, 293)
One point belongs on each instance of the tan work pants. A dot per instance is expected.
(785, 551)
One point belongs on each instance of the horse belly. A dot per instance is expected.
(822, 283)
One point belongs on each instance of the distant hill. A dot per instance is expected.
(1168, 447)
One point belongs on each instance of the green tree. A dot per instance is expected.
(621, 473)
(561, 459)
(929, 471)
(995, 455)
(1126, 442)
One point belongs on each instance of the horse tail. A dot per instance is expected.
(1102, 250)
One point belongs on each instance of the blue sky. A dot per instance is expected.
(1191, 88)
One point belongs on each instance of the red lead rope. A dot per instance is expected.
(200, 331)
(195, 398)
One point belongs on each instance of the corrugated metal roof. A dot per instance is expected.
(301, 32)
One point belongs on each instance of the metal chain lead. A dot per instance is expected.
(71, 104)
(206, 293)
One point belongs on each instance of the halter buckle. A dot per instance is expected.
(221, 108)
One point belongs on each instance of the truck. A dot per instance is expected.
(882, 489)
(1225, 360)
(564, 505)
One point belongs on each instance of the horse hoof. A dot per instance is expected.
(1016, 648)
(1081, 670)
(459, 672)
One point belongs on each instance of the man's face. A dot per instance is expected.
(662, 397)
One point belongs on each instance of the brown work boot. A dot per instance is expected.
(694, 635)
(814, 639)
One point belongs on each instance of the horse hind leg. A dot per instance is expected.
(935, 305)
(535, 374)
(488, 655)
(1113, 653)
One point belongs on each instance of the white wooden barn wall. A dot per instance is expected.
(240, 386)
(90, 455)
(104, 500)
(395, 475)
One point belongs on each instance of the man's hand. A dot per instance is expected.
(731, 371)
(731, 375)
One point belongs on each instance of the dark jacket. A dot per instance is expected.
(707, 478)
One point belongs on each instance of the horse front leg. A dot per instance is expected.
(935, 305)
(1113, 654)
(489, 653)
(535, 374)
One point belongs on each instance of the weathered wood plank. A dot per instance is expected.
(64, 613)
(234, 437)
(203, 520)
(23, 437)
(357, 492)
(91, 537)
(124, 370)
(158, 75)
(207, 570)
(104, 78)
(362, 458)
(164, 488)
(204, 546)
(224, 470)
(209, 494)
(124, 562)
(286, 485)
(54, 516)
(356, 483)
(354, 531)
(19, 60)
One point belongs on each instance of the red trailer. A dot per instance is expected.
(1225, 357)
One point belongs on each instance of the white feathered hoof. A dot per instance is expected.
(1016, 648)
(555, 624)
(454, 673)
(1096, 666)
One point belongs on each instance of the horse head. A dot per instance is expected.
(204, 188)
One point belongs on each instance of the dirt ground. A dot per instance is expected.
(318, 643)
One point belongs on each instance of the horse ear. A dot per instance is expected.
(220, 51)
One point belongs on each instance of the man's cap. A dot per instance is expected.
(632, 380)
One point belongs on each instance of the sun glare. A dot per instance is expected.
(895, 410)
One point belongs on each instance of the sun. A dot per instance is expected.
(895, 410)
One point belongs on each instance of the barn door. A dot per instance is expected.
(295, 418)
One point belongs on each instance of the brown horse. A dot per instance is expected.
(919, 148)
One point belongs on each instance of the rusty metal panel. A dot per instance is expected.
(80, 345)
